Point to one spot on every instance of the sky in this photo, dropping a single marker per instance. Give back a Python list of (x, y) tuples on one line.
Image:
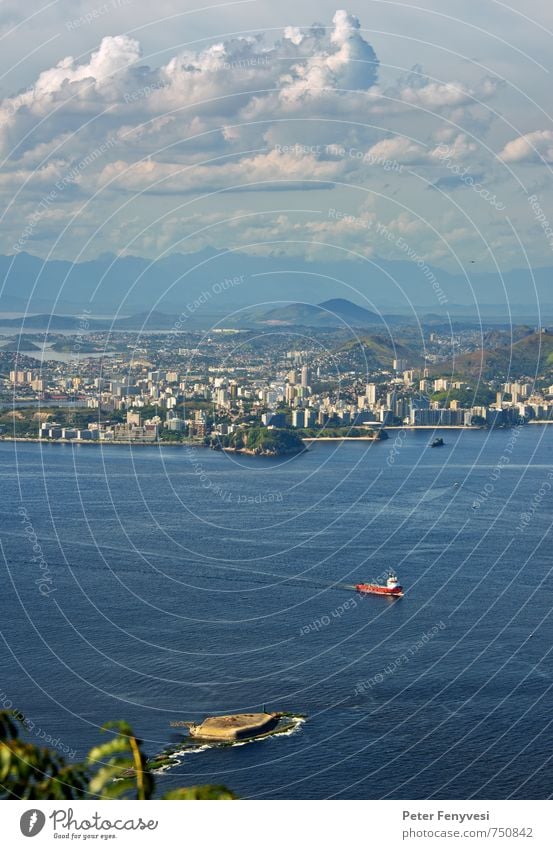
[(383, 129)]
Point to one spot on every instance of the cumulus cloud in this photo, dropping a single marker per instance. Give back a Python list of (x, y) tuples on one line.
[(268, 171), (530, 147), (436, 95), (455, 147), (234, 81), (243, 114), (349, 62), (115, 55), (66, 96), (398, 149)]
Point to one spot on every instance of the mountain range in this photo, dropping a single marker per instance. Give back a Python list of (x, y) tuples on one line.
[(215, 285)]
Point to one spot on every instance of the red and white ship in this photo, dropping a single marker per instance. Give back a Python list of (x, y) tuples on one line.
[(392, 587)]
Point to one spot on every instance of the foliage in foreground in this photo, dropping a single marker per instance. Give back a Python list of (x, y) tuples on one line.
[(116, 769)]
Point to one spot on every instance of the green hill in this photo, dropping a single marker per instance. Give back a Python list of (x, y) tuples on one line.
[(21, 343), (378, 351), (528, 357)]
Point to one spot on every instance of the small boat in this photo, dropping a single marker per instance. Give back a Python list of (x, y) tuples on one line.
[(392, 588), (437, 443)]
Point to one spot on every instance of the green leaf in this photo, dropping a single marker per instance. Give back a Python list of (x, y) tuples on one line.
[(205, 791), (117, 746), (114, 769)]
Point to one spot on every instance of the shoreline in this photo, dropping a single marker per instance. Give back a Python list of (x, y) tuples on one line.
[(436, 427), (249, 453), (199, 444), (465, 427), (102, 442), (343, 439)]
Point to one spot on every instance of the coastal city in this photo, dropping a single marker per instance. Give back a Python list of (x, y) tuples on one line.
[(206, 386), (276, 422)]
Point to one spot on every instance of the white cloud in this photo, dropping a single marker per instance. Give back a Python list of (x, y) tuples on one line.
[(234, 81), (212, 118), (295, 35), (398, 149), (265, 171), (454, 146), (348, 63), (437, 95), (530, 147)]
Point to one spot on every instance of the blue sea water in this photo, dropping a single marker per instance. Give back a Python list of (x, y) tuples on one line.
[(179, 582)]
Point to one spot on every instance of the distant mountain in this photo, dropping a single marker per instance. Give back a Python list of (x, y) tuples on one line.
[(336, 312), (215, 284), (350, 312), (43, 321), (20, 343), (530, 356), (154, 320), (141, 321)]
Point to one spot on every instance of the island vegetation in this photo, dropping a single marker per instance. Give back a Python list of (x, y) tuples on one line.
[(261, 441), (20, 343), (332, 432)]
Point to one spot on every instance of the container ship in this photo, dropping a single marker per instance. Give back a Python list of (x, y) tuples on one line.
[(392, 588)]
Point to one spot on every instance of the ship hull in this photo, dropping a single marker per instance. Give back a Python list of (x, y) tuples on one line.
[(375, 589)]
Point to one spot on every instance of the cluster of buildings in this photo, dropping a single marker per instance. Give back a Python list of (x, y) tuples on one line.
[(221, 403), (32, 379), (131, 430), (160, 392)]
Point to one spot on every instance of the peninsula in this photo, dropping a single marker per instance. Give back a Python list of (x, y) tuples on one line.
[(261, 442)]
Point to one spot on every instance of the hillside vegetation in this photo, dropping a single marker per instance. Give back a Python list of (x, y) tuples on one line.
[(271, 442), (379, 351), (530, 356)]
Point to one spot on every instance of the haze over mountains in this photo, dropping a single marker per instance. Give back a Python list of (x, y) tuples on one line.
[(214, 284), (331, 313)]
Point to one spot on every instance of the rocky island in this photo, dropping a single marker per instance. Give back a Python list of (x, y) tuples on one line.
[(261, 441), (236, 726), (223, 731)]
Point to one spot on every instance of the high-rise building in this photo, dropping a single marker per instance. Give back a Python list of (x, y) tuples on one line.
[(291, 392), (399, 364), (221, 397), (274, 419), (370, 394), (401, 408), (20, 376)]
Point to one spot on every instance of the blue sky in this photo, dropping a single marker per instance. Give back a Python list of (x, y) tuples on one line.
[(290, 128)]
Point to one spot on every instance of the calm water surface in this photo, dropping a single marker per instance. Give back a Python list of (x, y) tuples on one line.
[(186, 582)]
